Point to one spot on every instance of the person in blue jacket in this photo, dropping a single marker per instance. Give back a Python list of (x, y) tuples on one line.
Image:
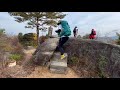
[(64, 32)]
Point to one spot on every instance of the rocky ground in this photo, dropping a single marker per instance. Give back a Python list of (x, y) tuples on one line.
[(43, 72), (26, 69), (87, 58)]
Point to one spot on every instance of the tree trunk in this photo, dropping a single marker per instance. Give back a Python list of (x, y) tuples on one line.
[(37, 35), (37, 30)]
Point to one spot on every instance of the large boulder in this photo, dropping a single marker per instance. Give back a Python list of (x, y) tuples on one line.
[(93, 57), (45, 51)]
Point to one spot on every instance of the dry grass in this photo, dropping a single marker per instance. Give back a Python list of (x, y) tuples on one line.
[(42, 39), (9, 45)]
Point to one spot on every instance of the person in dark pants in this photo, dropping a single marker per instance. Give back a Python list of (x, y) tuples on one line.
[(63, 32), (61, 43), (75, 31)]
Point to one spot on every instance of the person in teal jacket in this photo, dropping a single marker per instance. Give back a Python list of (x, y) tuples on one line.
[(64, 32)]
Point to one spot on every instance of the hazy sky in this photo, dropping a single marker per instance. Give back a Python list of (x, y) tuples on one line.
[(102, 22)]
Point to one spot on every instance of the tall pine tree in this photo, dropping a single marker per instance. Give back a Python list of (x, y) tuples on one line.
[(37, 19)]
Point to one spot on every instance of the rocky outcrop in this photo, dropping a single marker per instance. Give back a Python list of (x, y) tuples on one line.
[(45, 51), (94, 56), (90, 58)]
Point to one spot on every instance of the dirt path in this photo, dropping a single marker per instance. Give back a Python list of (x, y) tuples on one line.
[(28, 70), (43, 72)]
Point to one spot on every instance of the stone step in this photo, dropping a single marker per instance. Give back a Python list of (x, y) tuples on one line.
[(58, 71), (57, 65)]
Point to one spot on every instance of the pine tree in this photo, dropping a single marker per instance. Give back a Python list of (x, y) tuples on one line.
[(38, 19)]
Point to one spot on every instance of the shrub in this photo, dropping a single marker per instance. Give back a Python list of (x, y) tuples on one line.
[(29, 39), (86, 36), (79, 37), (29, 43), (20, 37), (15, 57), (73, 60)]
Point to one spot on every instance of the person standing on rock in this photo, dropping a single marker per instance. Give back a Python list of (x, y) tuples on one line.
[(75, 31), (64, 32), (92, 35)]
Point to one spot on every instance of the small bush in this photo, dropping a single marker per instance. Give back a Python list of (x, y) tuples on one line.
[(15, 57), (79, 37), (20, 37), (86, 36), (73, 60), (29, 43), (29, 39)]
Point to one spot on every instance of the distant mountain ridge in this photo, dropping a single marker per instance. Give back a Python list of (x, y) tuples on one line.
[(114, 37), (107, 39)]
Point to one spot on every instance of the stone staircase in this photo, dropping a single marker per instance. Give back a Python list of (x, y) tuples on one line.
[(57, 65), (47, 54)]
